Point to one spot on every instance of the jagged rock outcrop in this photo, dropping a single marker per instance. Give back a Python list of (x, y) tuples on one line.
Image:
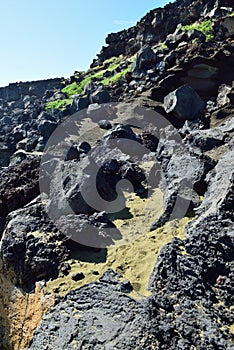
[(105, 316), (157, 24), (32, 249), (70, 184), (184, 103), (192, 280), (19, 186), (183, 173), (100, 182)]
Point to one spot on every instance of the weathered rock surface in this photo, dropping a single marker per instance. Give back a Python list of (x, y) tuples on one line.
[(184, 293), (91, 185), (193, 280), (206, 139), (100, 96), (146, 58), (156, 25), (15, 91), (31, 247), (89, 230), (100, 315), (19, 185), (218, 201), (183, 174), (185, 103), (189, 81), (228, 26)]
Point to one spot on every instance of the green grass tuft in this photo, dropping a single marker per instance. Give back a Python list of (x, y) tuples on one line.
[(78, 88), (113, 60), (71, 89), (116, 77), (58, 104), (74, 88), (163, 46), (206, 27)]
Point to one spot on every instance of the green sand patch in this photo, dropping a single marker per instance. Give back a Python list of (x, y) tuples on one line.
[(232, 328), (135, 258)]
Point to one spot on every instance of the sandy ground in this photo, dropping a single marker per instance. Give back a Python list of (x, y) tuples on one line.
[(134, 257)]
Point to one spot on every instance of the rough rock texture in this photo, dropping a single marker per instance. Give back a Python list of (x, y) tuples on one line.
[(99, 191), (193, 280), (184, 102), (99, 315), (183, 172), (19, 185), (156, 25), (146, 58), (31, 247), (89, 230), (20, 313), (15, 91), (70, 185)]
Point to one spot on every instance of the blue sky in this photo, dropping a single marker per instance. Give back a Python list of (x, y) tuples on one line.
[(52, 38)]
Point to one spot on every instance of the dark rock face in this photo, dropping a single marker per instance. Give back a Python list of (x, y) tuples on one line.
[(108, 318), (46, 128), (206, 139), (73, 189), (183, 173), (190, 82), (228, 26), (79, 103), (19, 185), (120, 131), (202, 67), (156, 26), (184, 102), (173, 40), (105, 124), (146, 58), (218, 200), (198, 273), (100, 96), (89, 230), (7, 150), (32, 248)]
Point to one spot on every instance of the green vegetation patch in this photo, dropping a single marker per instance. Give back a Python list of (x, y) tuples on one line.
[(71, 89), (163, 46), (113, 60), (58, 104), (74, 88), (206, 27), (114, 79), (78, 88)]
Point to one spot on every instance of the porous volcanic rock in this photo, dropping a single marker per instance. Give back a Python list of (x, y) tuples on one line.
[(183, 173), (19, 185), (32, 249), (184, 102), (85, 195), (100, 315), (192, 281)]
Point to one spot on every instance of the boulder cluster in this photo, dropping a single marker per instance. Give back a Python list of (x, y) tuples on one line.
[(61, 188)]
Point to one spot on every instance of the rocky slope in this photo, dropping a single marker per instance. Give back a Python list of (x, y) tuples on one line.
[(117, 192)]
